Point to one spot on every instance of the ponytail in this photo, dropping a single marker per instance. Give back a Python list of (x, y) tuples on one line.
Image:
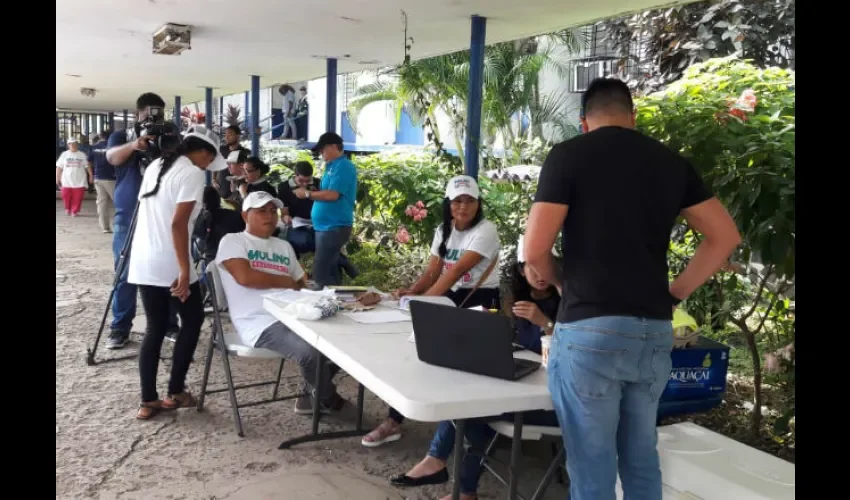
[(448, 224), (189, 145), (446, 227)]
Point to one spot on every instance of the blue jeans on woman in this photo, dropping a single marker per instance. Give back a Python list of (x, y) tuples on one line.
[(606, 375), (478, 435)]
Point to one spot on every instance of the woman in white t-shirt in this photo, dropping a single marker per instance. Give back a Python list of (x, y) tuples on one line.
[(169, 202), (73, 174), (464, 257)]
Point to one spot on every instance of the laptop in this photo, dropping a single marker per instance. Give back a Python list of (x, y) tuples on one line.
[(471, 341)]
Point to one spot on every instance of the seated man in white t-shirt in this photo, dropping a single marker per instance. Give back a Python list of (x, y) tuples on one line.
[(252, 263)]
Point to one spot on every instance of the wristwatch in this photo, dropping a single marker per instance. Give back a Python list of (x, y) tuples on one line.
[(550, 327)]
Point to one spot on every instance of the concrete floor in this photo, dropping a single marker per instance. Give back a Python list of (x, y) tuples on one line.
[(103, 452)]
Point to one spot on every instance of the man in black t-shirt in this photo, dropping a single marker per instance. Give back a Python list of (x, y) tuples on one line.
[(616, 194), (232, 135)]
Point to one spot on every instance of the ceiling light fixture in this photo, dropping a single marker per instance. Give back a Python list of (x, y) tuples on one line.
[(172, 39)]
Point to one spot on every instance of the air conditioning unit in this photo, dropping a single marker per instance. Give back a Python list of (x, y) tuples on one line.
[(585, 72), (172, 39)]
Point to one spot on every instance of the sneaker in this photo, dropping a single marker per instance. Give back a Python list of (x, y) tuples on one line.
[(304, 405), (117, 339), (67, 212), (171, 334)]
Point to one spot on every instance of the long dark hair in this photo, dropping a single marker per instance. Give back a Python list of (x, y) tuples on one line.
[(521, 288), (447, 223), (189, 145)]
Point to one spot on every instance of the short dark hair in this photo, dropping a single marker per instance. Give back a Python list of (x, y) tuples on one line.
[(606, 93), (304, 168), (235, 129), (303, 89), (149, 99)]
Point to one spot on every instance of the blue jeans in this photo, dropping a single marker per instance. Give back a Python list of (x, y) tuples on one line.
[(606, 375), (326, 259), (302, 239), (478, 435), (124, 301)]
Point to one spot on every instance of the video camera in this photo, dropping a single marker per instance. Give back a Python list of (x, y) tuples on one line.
[(164, 135)]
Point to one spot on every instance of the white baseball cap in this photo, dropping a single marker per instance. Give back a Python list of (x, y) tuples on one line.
[(201, 132), (72, 140), (233, 157), (460, 185), (259, 199)]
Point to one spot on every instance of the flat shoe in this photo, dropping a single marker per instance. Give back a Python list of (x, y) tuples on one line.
[(405, 481)]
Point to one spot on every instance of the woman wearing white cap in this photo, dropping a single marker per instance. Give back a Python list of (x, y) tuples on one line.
[(169, 202), (464, 254)]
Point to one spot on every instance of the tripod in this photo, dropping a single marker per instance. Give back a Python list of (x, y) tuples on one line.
[(123, 259)]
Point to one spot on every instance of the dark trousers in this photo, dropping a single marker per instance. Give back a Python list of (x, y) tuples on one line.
[(326, 262), (157, 302)]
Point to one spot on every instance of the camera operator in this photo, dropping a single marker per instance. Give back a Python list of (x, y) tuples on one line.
[(160, 263), (126, 152)]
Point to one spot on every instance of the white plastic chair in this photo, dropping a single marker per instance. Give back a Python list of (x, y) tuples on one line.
[(529, 433), (231, 345)]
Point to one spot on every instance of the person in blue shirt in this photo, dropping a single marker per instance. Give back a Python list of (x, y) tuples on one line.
[(104, 182), (124, 151), (333, 209)]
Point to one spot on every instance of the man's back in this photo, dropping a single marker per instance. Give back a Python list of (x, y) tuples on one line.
[(624, 191), (102, 169)]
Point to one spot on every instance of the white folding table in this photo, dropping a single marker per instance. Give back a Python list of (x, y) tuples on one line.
[(381, 358)]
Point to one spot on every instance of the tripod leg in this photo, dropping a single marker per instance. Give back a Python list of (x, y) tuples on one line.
[(123, 259)]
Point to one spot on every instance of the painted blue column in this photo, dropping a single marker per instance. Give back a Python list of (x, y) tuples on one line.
[(84, 127), (255, 115), (125, 119), (110, 121), (475, 94), (330, 108), (208, 112), (221, 114), (245, 112), (178, 109)]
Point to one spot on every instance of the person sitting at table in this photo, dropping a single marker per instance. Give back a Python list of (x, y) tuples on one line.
[(252, 263), (464, 254), (255, 178), (535, 308)]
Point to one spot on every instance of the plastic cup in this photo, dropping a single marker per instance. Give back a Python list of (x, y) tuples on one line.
[(545, 342)]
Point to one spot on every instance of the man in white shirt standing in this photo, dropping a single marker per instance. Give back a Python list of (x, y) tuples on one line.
[(252, 263), (73, 175)]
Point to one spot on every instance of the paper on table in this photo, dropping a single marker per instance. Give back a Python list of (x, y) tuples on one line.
[(378, 316), (288, 296), (404, 302)]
